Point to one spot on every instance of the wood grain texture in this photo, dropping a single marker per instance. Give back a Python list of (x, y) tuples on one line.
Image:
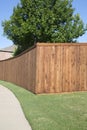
[(20, 70), (62, 67), (48, 68)]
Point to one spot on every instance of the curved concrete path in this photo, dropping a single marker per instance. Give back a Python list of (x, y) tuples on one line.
[(11, 115)]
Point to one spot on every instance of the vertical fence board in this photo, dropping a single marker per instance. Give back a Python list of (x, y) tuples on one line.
[(77, 68), (57, 69), (40, 78)]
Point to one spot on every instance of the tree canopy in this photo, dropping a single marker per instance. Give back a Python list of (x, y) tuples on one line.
[(43, 21)]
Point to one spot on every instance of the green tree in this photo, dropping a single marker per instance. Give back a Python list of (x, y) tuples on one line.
[(43, 21)]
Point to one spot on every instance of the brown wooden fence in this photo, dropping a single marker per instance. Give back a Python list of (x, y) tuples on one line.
[(20, 70), (49, 68)]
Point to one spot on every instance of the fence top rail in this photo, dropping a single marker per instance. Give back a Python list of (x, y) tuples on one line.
[(61, 44), (46, 44), (24, 52)]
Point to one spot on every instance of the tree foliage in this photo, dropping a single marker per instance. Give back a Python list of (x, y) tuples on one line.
[(43, 21)]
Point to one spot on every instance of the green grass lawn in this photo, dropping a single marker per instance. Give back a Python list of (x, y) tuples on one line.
[(54, 111)]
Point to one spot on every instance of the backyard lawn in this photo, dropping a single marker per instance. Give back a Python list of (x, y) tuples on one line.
[(52, 111)]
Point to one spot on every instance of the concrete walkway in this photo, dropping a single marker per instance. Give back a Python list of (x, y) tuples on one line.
[(11, 115)]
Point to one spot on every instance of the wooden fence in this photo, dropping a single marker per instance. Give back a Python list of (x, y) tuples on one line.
[(49, 68), (20, 70)]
